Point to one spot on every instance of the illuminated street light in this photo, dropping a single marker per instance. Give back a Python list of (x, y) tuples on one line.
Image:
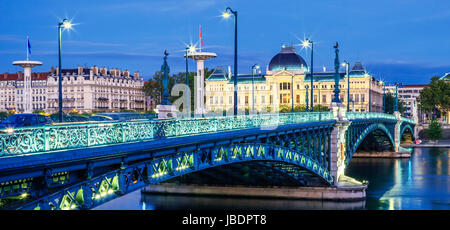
[(309, 44), (188, 106), (67, 26), (225, 15), (254, 67)]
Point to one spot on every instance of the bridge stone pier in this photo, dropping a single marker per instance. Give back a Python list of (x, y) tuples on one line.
[(81, 166), (338, 141), (340, 150)]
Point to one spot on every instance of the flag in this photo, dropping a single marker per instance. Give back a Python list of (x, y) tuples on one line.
[(201, 38), (28, 46)]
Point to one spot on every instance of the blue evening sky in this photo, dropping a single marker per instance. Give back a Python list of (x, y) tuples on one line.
[(396, 40)]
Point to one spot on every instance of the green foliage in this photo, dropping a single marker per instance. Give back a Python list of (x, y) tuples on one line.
[(299, 108), (285, 108), (389, 103), (435, 130), (38, 112), (435, 96), (153, 87), (5, 114), (322, 108)]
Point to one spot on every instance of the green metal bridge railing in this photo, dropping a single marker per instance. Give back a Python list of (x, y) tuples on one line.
[(28, 140)]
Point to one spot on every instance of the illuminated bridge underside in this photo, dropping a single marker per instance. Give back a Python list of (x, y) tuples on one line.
[(297, 169)]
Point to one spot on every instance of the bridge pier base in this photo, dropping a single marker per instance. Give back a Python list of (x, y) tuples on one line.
[(397, 136), (338, 147), (347, 193)]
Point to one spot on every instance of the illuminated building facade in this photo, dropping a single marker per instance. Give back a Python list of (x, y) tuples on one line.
[(84, 90), (287, 78)]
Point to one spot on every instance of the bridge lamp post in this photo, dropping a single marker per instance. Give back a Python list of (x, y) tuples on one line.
[(254, 67), (306, 44), (384, 96), (346, 65), (306, 98), (292, 93), (67, 26), (227, 14), (370, 87), (396, 98)]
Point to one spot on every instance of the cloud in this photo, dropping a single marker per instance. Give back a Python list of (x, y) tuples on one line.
[(11, 38), (406, 72), (184, 6)]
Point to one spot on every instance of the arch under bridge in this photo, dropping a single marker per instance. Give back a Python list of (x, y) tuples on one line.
[(81, 166)]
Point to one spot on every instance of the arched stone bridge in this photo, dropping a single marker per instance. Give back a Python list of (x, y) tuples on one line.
[(81, 166)]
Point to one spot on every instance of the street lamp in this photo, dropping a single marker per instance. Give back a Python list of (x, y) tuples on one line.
[(318, 100), (306, 98), (346, 65), (254, 67), (396, 98), (384, 96), (67, 26), (227, 14), (305, 44), (189, 49)]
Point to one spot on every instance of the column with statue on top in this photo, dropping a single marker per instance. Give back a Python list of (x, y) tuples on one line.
[(166, 109)]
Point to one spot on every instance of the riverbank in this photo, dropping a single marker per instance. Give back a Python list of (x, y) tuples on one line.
[(381, 155), (428, 144), (342, 193)]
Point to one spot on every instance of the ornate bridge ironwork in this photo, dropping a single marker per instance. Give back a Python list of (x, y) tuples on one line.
[(83, 165)]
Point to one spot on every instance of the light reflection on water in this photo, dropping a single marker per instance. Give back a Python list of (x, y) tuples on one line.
[(421, 182)]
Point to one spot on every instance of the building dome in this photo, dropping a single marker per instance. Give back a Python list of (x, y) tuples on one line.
[(287, 59)]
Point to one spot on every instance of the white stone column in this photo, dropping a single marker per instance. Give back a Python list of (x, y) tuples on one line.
[(27, 65), (199, 92), (27, 89), (397, 131), (337, 142)]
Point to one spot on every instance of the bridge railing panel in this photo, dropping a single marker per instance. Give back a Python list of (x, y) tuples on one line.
[(358, 115), (57, 137)]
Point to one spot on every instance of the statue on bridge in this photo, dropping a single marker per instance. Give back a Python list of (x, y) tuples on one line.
[(165, 80), (336, 75), (166, 109)]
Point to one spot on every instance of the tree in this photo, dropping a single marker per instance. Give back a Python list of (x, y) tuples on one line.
[(434, 130), (435, 96), (322, 108), (389, 103)]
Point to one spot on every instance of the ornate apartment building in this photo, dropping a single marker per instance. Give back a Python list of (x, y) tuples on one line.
[(288, 78), (84, 90), (12, 95)]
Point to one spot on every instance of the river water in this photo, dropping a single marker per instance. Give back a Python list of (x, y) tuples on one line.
[(421, 182)]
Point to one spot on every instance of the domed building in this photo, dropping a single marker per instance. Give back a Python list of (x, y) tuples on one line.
[(287, 78), (287, 59)]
